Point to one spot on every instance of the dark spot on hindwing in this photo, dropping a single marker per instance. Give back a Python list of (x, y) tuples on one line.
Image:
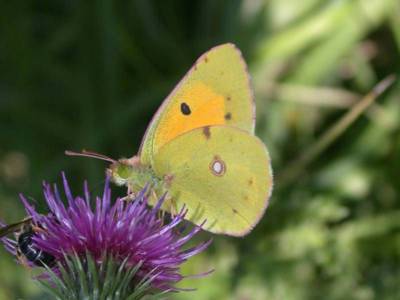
[(206, 59), (207, 132), (185, 109), (228, 116), (234, 211), (228, 98)]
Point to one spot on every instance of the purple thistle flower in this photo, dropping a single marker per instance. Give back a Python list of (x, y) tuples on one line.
[(130, 232)]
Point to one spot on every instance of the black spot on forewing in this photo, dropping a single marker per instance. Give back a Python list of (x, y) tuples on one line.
[(207, 132), (228, 116), (185, 109)]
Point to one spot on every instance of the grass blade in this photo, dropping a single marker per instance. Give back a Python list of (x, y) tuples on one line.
[(294, 170)]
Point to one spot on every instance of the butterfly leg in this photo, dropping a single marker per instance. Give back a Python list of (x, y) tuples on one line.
[(129, 197), (130, 194), (172, 207)]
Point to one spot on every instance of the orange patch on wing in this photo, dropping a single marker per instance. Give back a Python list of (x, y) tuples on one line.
[(206, 108)]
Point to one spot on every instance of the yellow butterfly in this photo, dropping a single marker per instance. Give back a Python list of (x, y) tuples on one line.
[(200, 148)]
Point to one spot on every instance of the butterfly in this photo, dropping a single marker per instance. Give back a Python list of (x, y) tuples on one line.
[(200, 149)]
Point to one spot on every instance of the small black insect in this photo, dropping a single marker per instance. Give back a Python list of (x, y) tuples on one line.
[(33, 254), (25, 247)]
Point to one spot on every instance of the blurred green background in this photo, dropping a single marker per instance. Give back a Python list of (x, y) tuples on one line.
[(90, 74)]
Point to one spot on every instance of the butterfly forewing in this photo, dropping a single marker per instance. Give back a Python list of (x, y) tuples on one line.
[(216, 91)]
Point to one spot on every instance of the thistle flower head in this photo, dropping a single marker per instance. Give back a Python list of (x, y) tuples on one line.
[(131, 233)]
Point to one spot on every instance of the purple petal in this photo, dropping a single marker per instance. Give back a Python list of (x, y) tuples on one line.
[(130, 231)]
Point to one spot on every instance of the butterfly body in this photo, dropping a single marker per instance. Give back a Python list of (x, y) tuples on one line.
[(137, 176)]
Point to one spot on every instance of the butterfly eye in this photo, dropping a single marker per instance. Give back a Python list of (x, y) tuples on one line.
[(185, 109)]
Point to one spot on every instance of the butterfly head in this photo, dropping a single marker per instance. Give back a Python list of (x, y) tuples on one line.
[(121, 171)]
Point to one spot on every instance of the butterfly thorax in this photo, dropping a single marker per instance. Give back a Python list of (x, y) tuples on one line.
[(136, 176)]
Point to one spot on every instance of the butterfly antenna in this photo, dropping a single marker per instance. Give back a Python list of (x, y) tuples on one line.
[(91, 154)]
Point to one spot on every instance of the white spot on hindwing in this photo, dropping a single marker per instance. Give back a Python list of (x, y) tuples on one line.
[(217, 166)]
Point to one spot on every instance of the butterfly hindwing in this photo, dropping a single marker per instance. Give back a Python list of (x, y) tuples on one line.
[(221, 174)]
